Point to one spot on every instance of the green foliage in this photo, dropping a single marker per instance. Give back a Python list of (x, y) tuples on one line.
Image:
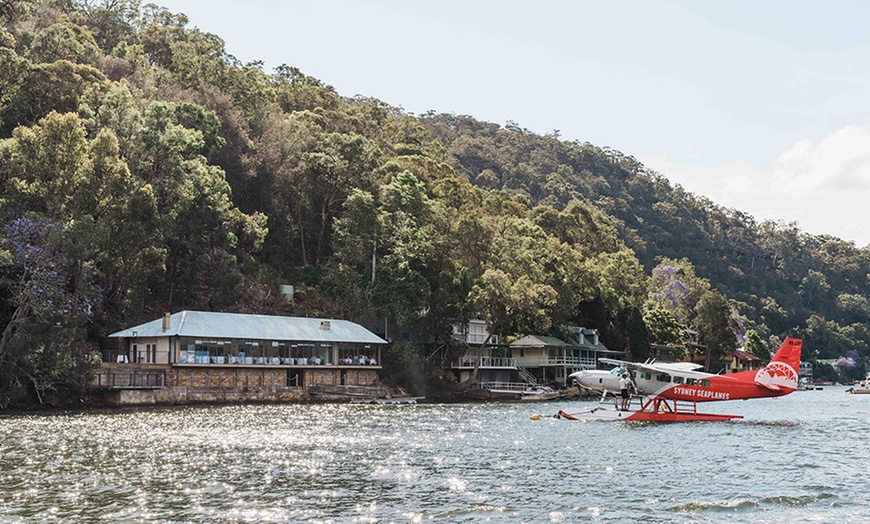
[(755, 346), (182, 178), (52, 296), (854, 308), (715, 326), (404, 365), (514, 303), (639, 337), (399, 293), (63, 41), (823, 370), (664, 328)]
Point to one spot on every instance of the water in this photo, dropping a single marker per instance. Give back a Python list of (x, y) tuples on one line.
[(797, 458)]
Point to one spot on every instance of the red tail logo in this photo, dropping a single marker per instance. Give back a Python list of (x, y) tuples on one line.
[(783, 368)]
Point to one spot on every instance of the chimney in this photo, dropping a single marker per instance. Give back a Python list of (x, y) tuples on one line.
[(287, 291), (325, 324), (166, 321)]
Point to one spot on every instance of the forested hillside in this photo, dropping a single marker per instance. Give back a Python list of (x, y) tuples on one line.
[(143, 169)]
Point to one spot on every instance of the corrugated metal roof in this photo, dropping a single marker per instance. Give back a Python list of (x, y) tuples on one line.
[(257, 327), (538, 341), (742, 355)]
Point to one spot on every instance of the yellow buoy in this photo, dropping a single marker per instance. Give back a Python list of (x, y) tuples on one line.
[(535, 417)]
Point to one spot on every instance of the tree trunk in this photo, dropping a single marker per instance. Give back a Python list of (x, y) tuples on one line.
[(473, 379), (302, 236), (20, 315)]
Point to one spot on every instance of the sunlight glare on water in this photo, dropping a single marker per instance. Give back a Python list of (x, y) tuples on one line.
[(791, 459)]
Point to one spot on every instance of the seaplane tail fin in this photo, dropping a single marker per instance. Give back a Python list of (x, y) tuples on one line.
[(789, 353), (781, 374)]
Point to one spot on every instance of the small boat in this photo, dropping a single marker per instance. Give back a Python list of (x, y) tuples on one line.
[(862, 387), (538, 393), (515, 391), (805, 385)]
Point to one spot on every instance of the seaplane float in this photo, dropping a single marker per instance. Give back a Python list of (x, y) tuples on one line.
[(671, 392)]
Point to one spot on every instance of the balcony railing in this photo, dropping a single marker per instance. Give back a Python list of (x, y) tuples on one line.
[(576, 362), (519, 387), (512, 363), (487, 362)]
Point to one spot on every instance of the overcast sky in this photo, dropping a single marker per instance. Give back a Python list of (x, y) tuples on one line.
[(763, 106)]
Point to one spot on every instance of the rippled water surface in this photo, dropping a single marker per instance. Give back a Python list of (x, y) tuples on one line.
[(799, 458)]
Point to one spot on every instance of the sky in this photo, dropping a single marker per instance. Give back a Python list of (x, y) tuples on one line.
[(759, 106)]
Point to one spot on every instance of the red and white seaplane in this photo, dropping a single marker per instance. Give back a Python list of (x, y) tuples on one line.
[(670, 392)]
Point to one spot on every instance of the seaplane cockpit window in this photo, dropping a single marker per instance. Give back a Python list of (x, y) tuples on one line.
[(646, 375), (691, 381), (617, 371), (663, 377), (705, 383), (678, 380)]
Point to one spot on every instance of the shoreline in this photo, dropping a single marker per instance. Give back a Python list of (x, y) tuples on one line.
[(97, 401)]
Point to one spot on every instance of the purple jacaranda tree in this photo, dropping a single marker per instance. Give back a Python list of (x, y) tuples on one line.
[(42, 347), (850, 366), (671, 293)]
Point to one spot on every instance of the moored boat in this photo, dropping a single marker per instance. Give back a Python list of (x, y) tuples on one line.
[(539, 393), (861, 387)]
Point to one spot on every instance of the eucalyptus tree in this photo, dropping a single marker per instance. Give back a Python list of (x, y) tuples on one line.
[(755, 346), (336, 163), (201, 229), (400, 289), (715, 326), (515, 291), (664, 329)]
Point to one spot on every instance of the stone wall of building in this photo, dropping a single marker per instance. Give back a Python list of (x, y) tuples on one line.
[(227, 377), (344, 377), (191, 385), (203, 395)]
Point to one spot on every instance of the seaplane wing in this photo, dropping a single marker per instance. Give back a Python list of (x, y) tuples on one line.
[(653, 366), (681, 366)]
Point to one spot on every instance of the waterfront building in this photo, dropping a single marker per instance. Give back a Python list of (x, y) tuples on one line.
[(530, 361), (739, 360), (549, 360), (806, 372), (231, 353)]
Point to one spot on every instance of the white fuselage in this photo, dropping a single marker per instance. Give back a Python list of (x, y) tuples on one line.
[(597, 380), (645, 383)]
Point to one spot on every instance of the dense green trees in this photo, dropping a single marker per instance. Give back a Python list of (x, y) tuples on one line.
[(152, 171)]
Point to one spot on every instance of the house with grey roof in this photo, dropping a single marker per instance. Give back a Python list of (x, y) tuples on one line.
[(532, 360), (547, 359), (199, 349)]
